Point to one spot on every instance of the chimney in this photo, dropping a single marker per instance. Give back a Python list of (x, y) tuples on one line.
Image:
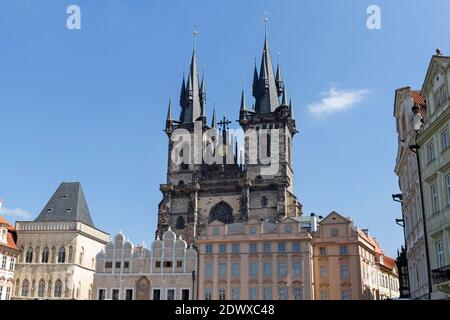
[(366, 231)]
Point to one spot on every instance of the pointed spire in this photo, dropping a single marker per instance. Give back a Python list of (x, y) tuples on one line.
[(183, 91), (243, 105), (190, 96), (169, 110), (291, 110), (279, 78), (203, 94), (213, 121), (284, 100), (255, 81)]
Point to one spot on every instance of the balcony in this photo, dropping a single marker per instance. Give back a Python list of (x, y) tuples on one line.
[(441, 278)]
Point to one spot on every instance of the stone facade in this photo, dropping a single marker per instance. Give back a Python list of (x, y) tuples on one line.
[(128, 272), (57, 259), (8, 257), (347, 263), (256, 260), (409, 109), (434, 158)]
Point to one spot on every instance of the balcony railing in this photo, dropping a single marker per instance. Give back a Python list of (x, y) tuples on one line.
[(441, 275)]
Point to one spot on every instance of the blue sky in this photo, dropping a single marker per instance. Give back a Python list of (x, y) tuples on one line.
[(89, 105)]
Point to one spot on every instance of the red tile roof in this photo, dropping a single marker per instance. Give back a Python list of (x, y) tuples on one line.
[(11, 236), (388, 262), (420, 101)]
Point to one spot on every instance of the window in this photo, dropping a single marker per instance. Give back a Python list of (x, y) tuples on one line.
[(322, 251), (8, 293), (129, 294), (156, 294), (235, 248), (58, 289), (12, 264), (267, 269), (434, 199), (253, 269), (44, 258), (345, 295), (288, 228), (282, 293), (447, 178), (29, 256), (215, 231), (334, 232), (180, 223), (440, 254), (208, 270), (323, 272), (208, 293), (253, 294), (430, 152), (209, 249), (267, 247), (343, 250), (101, 294), (235, 293), (108, 265), (41, 288), (167, 264), (4, 260), (157, 264), (223, 248), (297, 268), (296, 246), (440, 97), (222, 269), (179, 264), (62, 255), (170, 294), (282, 270), (235, 269), (324, 295), (184, 294), (444, 139), (252, 230), (298, 294), (345, 272), (264, 201), (126, 264), (281, 246), (222, 294), (118, 264), (253, 247), (267, 293)]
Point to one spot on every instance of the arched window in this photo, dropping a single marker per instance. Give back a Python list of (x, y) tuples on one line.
[(58, 289), (264, 201), (71, 254), (49, 288), (80, 260), (222, 212), (29, 255), (62, 255), (41, 288), (45, 255), (25, 288), (268, 143), (180, 222)]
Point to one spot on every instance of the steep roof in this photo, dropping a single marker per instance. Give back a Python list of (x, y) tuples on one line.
[(11, 235), (67, 204)]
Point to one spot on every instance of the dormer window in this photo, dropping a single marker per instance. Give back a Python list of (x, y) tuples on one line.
[(68, 210), (50, 210)]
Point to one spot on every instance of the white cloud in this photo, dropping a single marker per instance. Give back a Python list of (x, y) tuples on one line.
[(16, 213), (336, 100)]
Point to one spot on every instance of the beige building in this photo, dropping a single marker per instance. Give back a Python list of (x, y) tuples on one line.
[(346, 262), (255, 260), (128, 272), (58, 249), (434, 155), (8, 256), (409, 110)]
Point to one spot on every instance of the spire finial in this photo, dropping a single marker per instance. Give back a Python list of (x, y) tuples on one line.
[(266, 22), (213, 121), (194, 35), (169, 109)]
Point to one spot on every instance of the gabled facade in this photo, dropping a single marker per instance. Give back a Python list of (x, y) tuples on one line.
[(58, 249), (409, 110), (435, 167)]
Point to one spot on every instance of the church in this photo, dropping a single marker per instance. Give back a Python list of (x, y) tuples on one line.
[(241, 187)]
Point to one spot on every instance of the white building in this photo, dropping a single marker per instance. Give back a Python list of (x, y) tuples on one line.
[(128, 272), (407, 123)]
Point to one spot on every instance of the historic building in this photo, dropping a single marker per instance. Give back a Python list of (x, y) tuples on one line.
[(409, 110), (128, 272), (240, 185), (58, 249), (256, 260), (433, 147), (8, 256), (349, 264)]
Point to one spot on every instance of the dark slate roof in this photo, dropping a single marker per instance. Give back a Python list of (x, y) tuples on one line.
[(67, 204)]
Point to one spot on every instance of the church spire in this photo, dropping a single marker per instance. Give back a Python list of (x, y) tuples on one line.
[(243, 105), (255, 85), (203, 95), (279, 79), (213, 121), (169, 110)]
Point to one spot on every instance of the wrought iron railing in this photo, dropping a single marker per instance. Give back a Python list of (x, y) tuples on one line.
[(441, 275)]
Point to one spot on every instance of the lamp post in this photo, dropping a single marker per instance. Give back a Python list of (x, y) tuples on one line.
[(415, 148)]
